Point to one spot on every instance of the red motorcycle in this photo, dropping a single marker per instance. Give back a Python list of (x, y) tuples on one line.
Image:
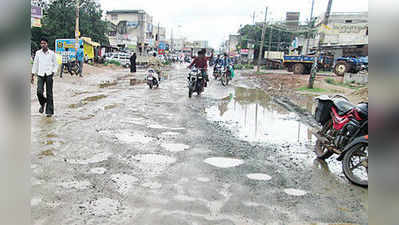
[(344, 128)]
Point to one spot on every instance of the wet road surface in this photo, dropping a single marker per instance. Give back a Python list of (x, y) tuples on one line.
[(121, 154)]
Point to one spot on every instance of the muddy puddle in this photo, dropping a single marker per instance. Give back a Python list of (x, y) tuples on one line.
[(253, 116)]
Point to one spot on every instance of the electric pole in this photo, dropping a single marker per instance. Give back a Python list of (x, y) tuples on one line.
[(311, 26), (270, 41), (321, 39), (77, 26), (262, 40)]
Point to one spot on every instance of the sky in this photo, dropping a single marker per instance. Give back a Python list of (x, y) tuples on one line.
[(214, 20)]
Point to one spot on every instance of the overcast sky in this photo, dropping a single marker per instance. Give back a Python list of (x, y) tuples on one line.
[(214, 20)]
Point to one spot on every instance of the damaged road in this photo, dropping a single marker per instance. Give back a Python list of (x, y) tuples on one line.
[(125, 154)]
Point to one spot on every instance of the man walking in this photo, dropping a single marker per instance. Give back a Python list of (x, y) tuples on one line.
[(80, 59), (45, 66), (133, 63)]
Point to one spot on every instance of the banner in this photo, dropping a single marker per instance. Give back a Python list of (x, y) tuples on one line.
[(35, 22)]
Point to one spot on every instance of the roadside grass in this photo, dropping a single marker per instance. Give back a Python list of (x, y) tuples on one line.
[(316, 90), (351, 85)]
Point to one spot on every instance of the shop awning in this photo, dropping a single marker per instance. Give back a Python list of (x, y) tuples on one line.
[(90, 42)]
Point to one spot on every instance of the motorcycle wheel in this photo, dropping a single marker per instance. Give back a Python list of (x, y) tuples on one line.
[(223, 79), (321, 151), (355, 164), (190, 91)]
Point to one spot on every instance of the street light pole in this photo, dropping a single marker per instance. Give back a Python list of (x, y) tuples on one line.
[(77, 26), (261, 43), (311, 26), (321, 39)]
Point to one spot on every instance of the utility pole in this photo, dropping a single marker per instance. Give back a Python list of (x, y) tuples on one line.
[(77, 26), (310, 27), (171, 40), (270, 41), (321, 39), (262, 40)]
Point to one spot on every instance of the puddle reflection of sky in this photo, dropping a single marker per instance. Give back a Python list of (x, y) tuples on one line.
[(253, 116)]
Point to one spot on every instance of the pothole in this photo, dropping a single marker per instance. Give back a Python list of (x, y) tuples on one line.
[(98, 170), (155, 159), (295, 192), (222, 162), (259, 176), (175, 147)]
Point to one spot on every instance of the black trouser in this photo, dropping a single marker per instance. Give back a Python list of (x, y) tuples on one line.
[(132, 67), (48, 80), (68, 66)]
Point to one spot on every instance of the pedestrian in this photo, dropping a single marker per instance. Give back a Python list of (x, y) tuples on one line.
[(133, 63), (66, 61), (80, 59), (44, 67)]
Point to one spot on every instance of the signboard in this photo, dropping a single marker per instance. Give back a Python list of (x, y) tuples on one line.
[(62, 44), (35, 22), (36, 12), (161, 51)]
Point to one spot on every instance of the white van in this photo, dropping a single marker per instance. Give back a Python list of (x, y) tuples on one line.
[(121, 57)]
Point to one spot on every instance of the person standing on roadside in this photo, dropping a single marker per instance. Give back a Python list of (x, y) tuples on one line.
[(66, 55), (44, 67), (80, 59), (133, 63)]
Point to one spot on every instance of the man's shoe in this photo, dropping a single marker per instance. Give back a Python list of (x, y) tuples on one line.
[(49, 115), (41, 110)]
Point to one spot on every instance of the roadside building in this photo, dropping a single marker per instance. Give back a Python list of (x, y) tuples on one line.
[(132, 29)]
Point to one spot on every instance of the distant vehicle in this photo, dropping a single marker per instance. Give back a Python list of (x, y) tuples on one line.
[(303, 64), (122, 58), (350, 65)]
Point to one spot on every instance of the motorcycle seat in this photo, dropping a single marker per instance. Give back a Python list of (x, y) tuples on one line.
[(343, 106)]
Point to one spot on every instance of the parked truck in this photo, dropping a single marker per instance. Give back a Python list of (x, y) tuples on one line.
[(303, 64)]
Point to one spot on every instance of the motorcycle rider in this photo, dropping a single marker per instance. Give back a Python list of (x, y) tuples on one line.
[(218, 60), (201, 62), (226, 61), (155, 64)]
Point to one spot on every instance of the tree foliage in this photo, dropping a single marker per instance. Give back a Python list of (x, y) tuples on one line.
[(59, 22)]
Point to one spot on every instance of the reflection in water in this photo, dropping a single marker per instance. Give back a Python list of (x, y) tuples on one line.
[(255, 117)]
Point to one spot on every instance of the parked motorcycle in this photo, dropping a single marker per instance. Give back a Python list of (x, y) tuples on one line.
[(152, 81), (196, 82), (343, 125)]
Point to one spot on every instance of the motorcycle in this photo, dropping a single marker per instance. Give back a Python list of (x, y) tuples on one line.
[(152, 81), (217, 71), (196, 82), (226, 75), (343, 126)]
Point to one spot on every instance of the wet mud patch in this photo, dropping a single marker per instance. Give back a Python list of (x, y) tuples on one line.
[(46, 153), (107, 84), (110, 106), (86, 101), (87, 117)]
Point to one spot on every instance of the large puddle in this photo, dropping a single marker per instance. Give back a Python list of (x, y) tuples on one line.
[(253, 116)]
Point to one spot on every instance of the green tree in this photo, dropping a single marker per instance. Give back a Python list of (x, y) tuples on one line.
[(59, 22)]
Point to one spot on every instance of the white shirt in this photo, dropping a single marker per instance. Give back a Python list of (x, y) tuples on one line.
[(45, 63)]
